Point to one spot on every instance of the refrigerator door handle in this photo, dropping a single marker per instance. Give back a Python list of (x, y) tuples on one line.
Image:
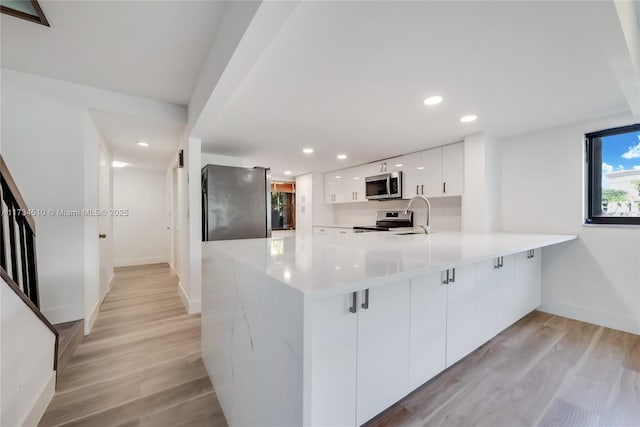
[(267, 180)]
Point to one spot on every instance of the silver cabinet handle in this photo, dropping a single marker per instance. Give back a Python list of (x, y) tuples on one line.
[(102, 236), (453, 275), (354, 303), (343, 232), (365, 304), (496, 263), (531, 254), (444, 187), (445, 277), (500, 262), (418, 189), (422, 189)]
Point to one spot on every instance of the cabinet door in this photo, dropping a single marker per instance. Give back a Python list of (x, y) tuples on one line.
[(341, 186), (357, 183), (383, 349), (453, 169), (432, 172), (496, 290), (334, 337), (527, 283), (462, 317), (412, 175), (428, 329), (329, 184)]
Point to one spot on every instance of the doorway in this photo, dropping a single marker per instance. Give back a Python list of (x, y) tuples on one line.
[(283, 205)]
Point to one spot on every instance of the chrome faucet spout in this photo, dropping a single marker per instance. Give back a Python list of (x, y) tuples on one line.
[(427, 226)]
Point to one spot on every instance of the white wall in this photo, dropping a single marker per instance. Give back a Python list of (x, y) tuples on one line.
[(27, 378), (445, 213), (141, 237), (482, 184), (44, 150), (44, 142), (596, 278)]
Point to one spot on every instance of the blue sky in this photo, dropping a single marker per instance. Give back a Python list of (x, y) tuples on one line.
[(620, 152)]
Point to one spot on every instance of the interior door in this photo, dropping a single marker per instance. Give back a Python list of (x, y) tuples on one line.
[(105, 222)]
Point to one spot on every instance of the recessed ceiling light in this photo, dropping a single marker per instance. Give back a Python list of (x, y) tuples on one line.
[(356, 177), (342, 156), (469, 118), (117, 164), (308, 151), (399, 165), (287, 172), (420, 168), (433, 100), (338, 177), (143, 144)]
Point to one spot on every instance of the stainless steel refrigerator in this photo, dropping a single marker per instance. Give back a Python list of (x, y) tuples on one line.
[(236, 203)]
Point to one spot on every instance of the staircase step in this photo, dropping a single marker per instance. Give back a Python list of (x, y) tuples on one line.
[(70, 336)]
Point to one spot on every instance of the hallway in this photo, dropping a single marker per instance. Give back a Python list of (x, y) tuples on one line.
[(141, 365)]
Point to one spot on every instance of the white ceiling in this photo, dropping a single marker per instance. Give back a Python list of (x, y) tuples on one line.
[(153, 49), (351, 77), (122, 132)]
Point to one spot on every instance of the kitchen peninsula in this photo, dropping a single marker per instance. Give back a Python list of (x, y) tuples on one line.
[(323, 330)]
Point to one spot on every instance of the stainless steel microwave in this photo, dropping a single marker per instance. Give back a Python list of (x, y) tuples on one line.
[(385, 186)]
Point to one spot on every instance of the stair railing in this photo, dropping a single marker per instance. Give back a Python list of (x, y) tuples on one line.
[(18, 262)]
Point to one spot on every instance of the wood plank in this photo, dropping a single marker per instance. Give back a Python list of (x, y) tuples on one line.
[(563, 413), (142, 363), (204, 410), (140, 407), (94, 398)]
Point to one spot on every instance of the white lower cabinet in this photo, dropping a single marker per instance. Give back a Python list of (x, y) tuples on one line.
[(383, 348), (360, 359), (369, 349), (332, 231), (462, 314), (428, 330), (527, 292), (495, 281), (334, 331)]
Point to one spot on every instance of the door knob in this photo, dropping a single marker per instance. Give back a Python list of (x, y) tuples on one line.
[(102, 236)]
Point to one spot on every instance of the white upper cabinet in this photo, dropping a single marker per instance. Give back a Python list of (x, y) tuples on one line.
[(412, 174), (431, 185), (453, 169), (438, 172)]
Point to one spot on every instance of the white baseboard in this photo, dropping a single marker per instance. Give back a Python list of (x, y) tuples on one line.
[(140, 261), (192, 306), (110, 283), (589, 315), (41, 403), (91, 318)]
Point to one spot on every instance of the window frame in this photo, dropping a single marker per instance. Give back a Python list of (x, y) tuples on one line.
[(594, 176)]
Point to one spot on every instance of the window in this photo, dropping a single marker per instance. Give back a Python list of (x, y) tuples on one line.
[(24, 9), (613, 176)]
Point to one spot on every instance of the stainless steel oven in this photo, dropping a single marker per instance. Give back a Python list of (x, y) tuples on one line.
[(385, 186)]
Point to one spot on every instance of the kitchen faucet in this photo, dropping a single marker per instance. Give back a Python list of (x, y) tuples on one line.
[(427, 226)]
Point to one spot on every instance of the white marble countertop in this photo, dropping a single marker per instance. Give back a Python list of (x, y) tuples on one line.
[(325, 264)]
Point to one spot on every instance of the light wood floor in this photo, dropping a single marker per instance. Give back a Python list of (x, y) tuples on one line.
[(141, 365), (543, 371)]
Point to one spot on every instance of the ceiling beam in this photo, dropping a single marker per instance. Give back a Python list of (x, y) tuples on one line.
[(227, 66)]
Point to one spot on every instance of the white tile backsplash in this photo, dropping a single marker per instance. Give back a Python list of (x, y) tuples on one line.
[(446, 212)]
